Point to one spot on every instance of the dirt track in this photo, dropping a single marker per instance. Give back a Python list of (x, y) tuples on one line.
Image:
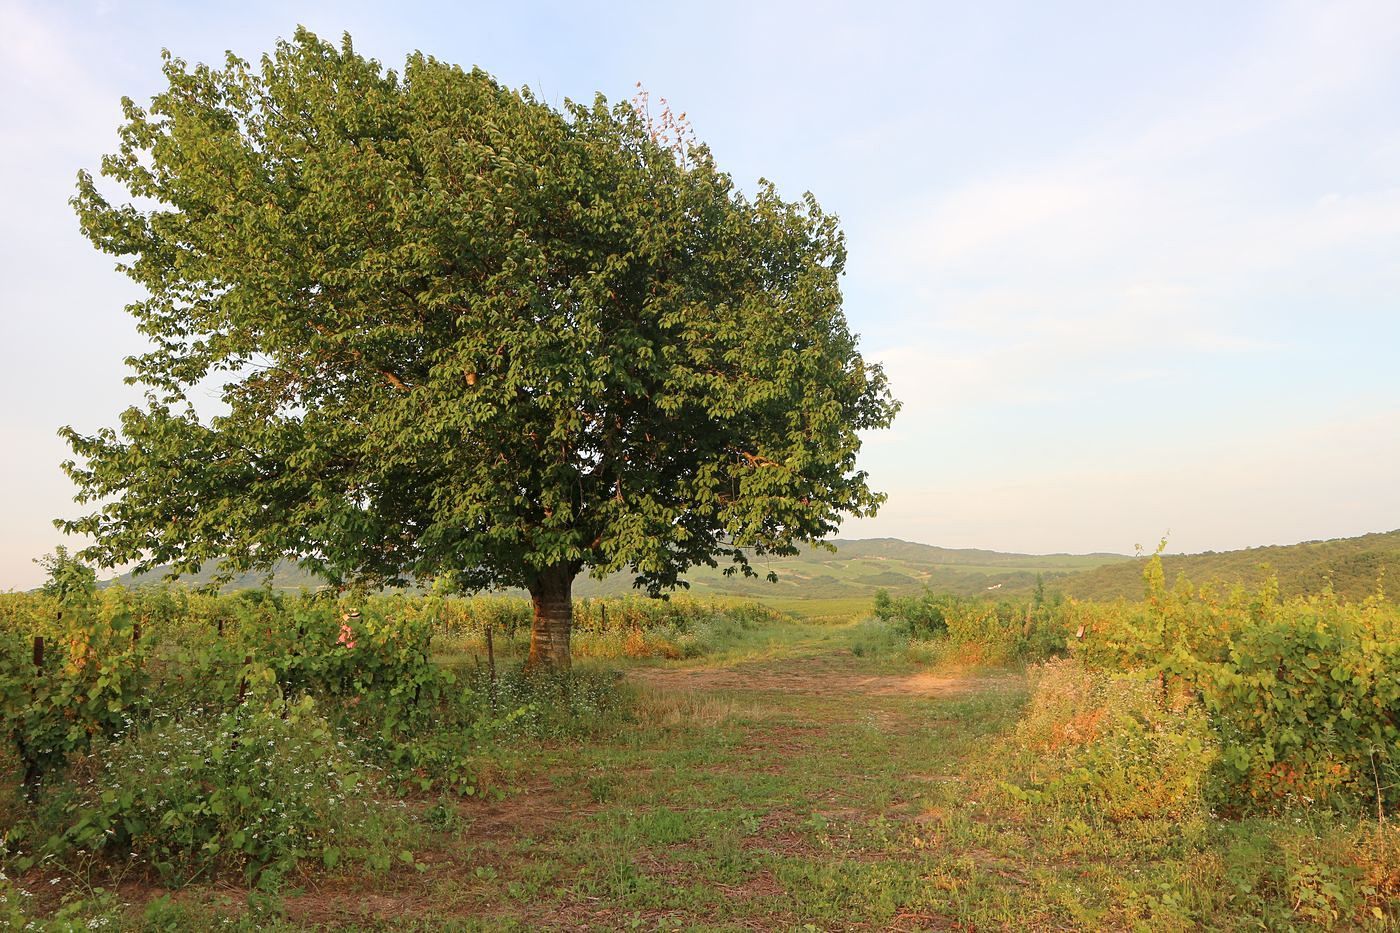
[(821, 675)]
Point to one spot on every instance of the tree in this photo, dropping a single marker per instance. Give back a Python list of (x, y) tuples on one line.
[(460, 332), (68, 577)]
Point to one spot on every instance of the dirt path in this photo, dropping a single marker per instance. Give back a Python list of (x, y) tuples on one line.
[(811, 787), (771, 793), (823, 675)]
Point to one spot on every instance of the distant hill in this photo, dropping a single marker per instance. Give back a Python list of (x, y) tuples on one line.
[(287, 576), (1352, 565), (857, 568)]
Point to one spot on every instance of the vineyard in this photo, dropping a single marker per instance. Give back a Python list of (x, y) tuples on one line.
[(196, 734), (1302, 695), (165, 740)]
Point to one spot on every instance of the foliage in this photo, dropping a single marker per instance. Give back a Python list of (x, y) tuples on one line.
[(1304, 693), (379, 654), (68, 577), (979, 631), (386, 669), (85, 685), (464, 335), (922, 616), (713, 806), (255, 789), (1309, 706), (1112, 744), (242, 731), (618, 614), (476, 614)]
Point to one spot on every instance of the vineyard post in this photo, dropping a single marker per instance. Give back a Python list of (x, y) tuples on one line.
[(1375, 773), (243, 680), (490, 654), (31, 766)]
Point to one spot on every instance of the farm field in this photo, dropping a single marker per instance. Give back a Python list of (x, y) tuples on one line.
[(733, 767)]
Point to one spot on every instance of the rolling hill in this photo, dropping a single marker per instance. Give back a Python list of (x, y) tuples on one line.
[(1353, 566), (856, 569), (859, 567)]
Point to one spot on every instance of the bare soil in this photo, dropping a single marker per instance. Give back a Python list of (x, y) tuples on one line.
[(822, 676)]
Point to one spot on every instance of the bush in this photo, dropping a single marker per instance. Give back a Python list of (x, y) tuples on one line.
[(118, 660), (89, 680), (1304, 694), (1113, 744), (1308, 707), (256, 790), (921, 616), (978, 631)]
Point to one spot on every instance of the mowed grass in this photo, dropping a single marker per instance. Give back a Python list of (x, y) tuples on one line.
[(800, 777)]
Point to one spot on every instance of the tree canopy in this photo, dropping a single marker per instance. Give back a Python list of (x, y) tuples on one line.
[(461, 332)]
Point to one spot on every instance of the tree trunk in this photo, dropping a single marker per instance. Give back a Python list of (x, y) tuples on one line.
[(552, 596)]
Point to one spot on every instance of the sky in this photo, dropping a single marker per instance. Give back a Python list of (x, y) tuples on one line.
[(1132, 268)]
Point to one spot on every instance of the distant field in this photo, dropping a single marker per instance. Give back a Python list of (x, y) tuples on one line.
[(838, 609)]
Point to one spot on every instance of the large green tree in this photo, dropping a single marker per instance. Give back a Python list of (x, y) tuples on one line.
[(460, 332)]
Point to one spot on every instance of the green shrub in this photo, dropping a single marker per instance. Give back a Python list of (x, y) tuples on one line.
[(1113, 744), (256, 790), (89, 680), (1304, 694), (921, 616), (1308, 706), (978, 631)]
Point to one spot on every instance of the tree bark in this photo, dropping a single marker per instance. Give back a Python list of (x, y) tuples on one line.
[(552, 596)]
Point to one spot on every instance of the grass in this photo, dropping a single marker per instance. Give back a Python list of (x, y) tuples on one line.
[(799, 776), (832, 609)]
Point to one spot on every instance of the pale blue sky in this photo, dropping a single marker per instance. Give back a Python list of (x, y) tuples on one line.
[(1133, 268)]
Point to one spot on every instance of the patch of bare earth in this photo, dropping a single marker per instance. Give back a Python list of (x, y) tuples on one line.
[(491, 825), (532, 813), (837, 673)]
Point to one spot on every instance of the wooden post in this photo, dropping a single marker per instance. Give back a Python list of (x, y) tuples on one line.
[(32, 774), (243, 681), (491, 654)]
